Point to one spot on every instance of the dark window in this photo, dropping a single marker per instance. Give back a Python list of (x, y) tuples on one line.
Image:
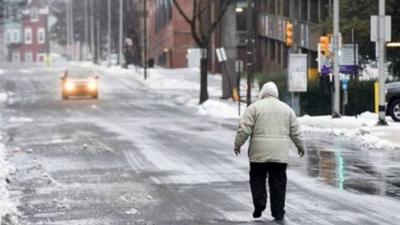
[(163, 13), (286, 8), (296, 9), (278, 7), (314, 11), (271, 6), (304, 9), (272, 49), (279, 56), (325, 10), (162, 59)]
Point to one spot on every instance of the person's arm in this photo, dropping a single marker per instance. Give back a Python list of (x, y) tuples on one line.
[(246, 126), (296, 134)]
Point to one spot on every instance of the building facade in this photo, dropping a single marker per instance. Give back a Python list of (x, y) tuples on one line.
[(26, 31), (169, 35), (305, 15)]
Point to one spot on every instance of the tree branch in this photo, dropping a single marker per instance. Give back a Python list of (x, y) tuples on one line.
[(219, 18), (180, 10)]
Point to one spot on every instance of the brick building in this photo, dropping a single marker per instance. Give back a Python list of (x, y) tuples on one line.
[(25, 30), (169, 34), (34, 23)]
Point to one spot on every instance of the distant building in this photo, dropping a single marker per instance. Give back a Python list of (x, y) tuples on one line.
[(25, 30), (34, 24)]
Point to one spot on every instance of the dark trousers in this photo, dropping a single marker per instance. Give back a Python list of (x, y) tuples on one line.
[(276, 173)]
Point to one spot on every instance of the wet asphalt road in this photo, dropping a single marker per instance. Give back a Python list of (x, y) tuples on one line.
[(135, 157)]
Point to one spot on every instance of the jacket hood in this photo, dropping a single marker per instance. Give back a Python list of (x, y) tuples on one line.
[(268, 90)]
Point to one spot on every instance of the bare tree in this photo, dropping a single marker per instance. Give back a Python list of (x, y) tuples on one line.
[(202, 27)]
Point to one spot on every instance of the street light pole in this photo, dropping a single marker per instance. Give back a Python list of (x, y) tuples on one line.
[(145, 37), (250, 49), (381, 62), (121, 27), (86, 29), (336, 66), (109, 32)]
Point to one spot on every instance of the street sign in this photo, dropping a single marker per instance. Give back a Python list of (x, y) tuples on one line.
[(239, 66), (221, 54), (346, 60), (297, 73), (375, 30)]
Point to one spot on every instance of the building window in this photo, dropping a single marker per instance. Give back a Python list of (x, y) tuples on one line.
[(41, 36), (28, 57), (8, 38), (304, 10), (28, 36), (163, 13), (15, 57), (34, 14), (272, 50), (314, 11), (15, 38), (286, 8), (271, 6)]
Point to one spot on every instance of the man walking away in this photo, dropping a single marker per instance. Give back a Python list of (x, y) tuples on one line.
[(271, 125)]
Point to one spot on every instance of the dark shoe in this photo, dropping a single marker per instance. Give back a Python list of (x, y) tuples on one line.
[(279, 220), (257, 213)]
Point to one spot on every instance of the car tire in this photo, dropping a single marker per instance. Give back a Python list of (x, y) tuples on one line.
[(64, 96), (95, 96), (394, 110)]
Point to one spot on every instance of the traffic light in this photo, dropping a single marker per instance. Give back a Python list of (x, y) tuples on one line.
[(289, 34), (324, 42)]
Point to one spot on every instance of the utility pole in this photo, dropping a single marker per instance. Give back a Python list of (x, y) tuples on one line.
[(109, 32), (145, 37), (92, 40), (121, 30), (336, 66), (71, 16), (381, 62), (250, 49), (86, 30), (67, 29)]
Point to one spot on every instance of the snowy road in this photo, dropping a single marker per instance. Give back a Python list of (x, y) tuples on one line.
[(134, 157)]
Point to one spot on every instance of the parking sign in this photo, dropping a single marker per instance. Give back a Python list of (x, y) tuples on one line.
[(297, 77)]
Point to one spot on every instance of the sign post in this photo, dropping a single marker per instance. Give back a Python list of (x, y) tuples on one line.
[(297, 78)]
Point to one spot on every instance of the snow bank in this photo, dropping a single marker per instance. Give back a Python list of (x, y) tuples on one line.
[(3, 97), (6, 206), (362, 129), (20, 120), (219, 109)]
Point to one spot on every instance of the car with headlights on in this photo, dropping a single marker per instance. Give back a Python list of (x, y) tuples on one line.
[(79, 82)]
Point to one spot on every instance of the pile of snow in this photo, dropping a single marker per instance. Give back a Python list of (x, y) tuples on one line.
[(3, 97), (362, 129), (219, 109), (7, 208), (20, 120), (157, 80)]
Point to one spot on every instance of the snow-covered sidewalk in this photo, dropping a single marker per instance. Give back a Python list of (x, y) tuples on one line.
[(183, 84)]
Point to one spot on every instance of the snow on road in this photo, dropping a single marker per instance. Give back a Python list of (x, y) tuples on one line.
[(185, 84), (7, 207)]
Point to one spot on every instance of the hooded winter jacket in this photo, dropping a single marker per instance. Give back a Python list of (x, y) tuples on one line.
[(272, 126)]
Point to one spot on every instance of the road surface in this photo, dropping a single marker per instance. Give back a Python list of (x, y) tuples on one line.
[(135, 157)]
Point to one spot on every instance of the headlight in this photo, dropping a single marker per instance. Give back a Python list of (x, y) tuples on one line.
[(69, 86), (92, 85)]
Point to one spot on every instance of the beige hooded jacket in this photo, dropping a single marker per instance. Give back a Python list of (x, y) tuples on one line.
[(271, 125)]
